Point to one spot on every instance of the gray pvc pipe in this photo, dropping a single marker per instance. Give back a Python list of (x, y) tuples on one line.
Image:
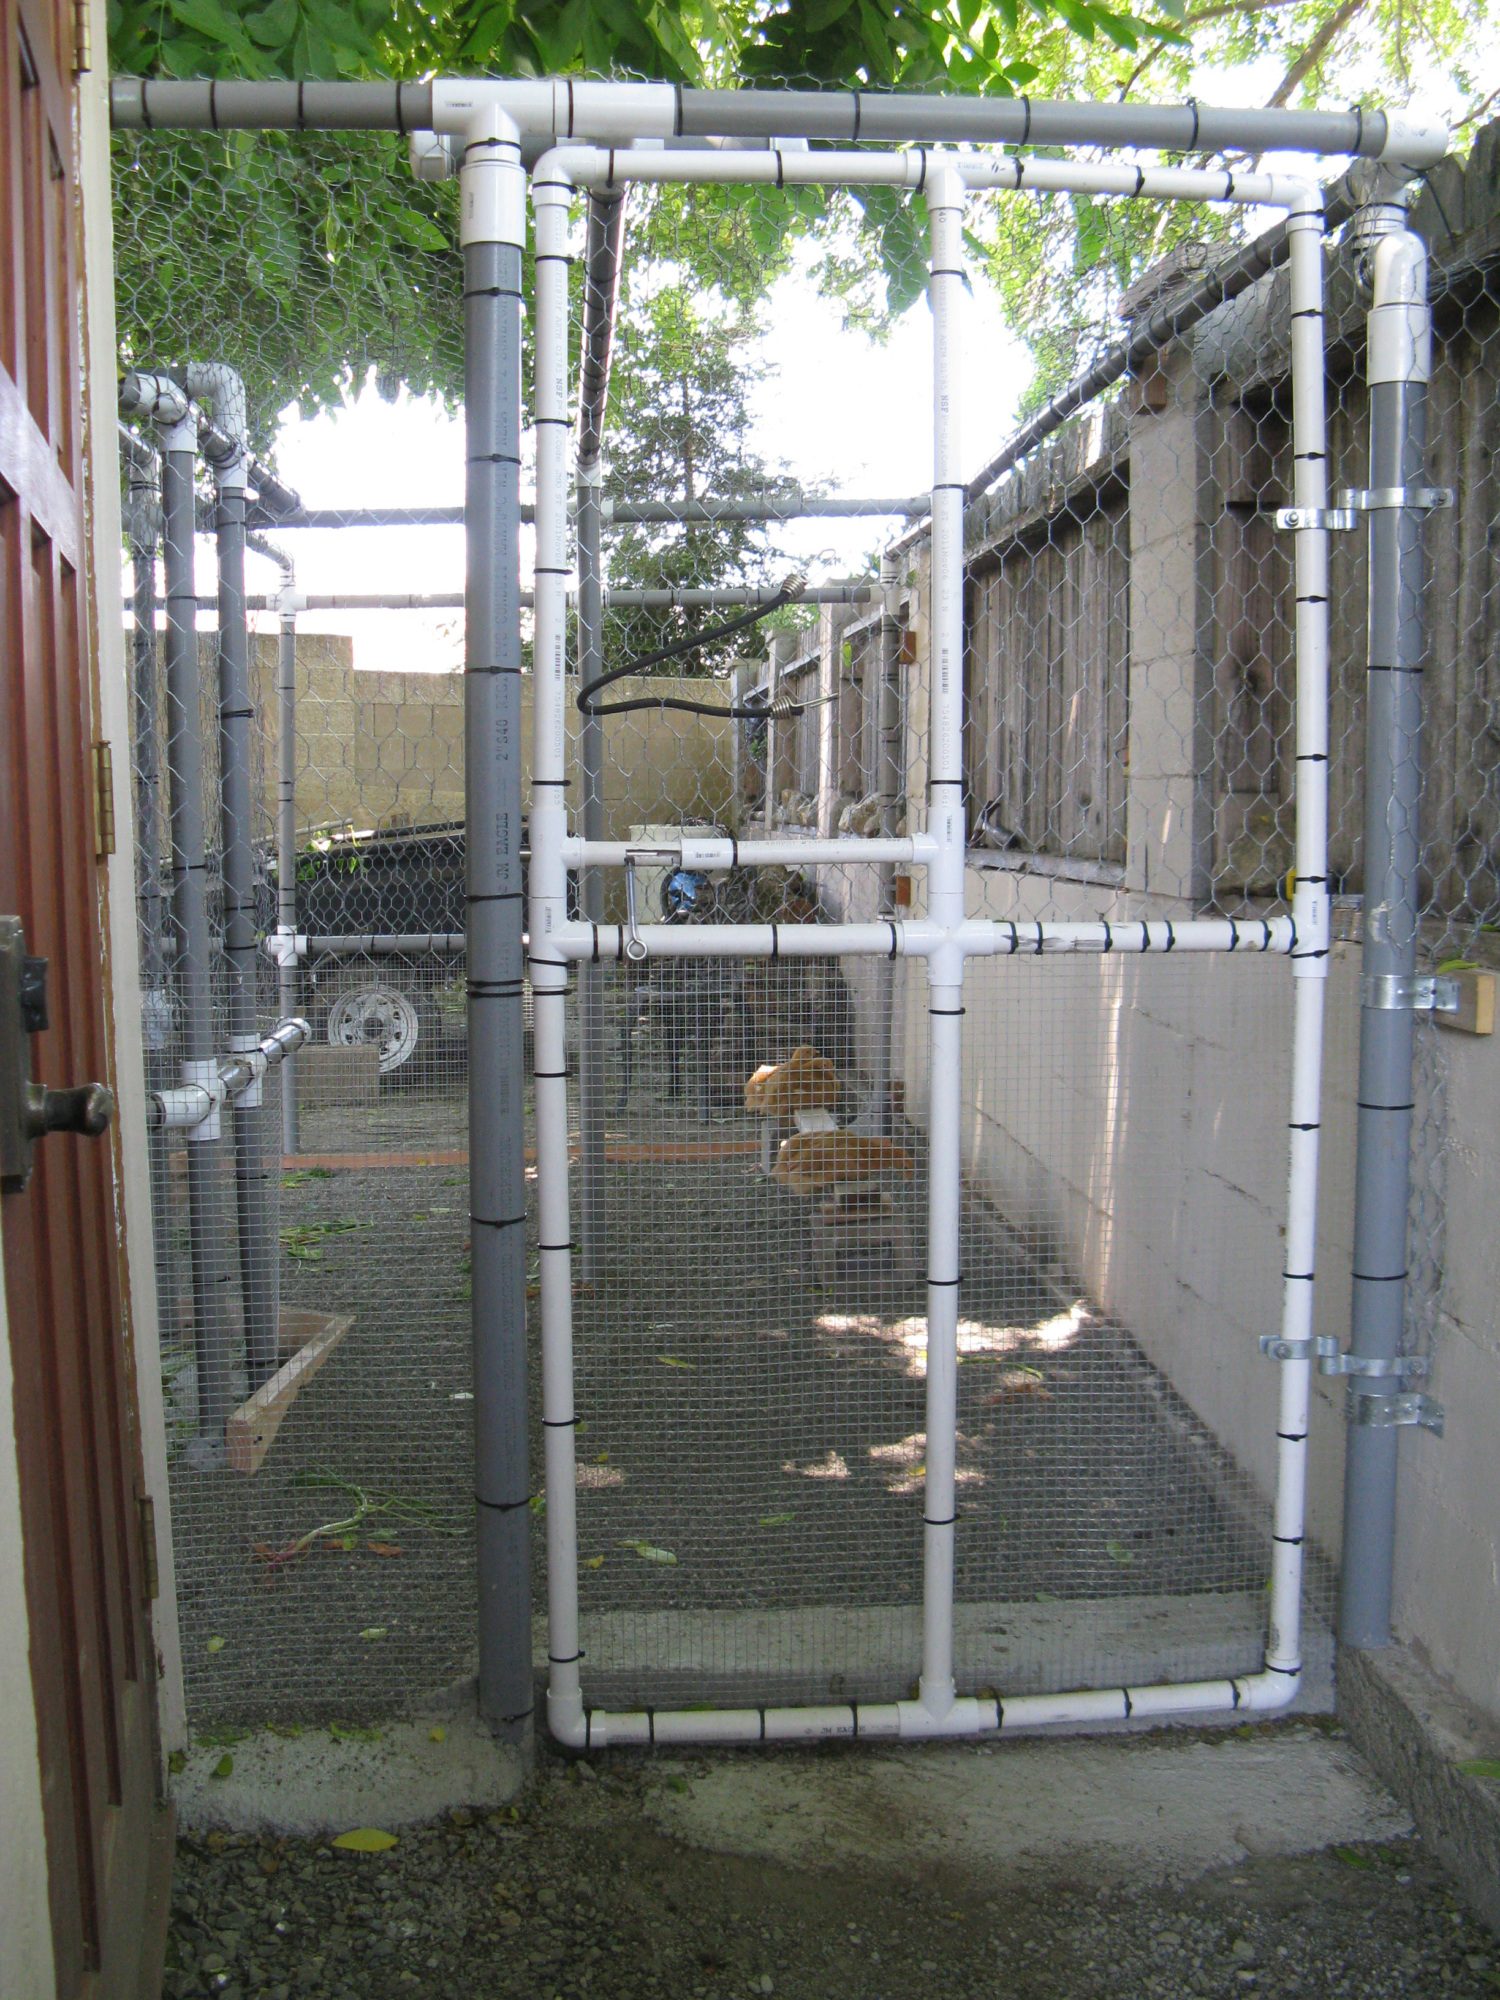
[(492, 785), (213, 1350), (888, 117), (727, 599), (252, 1165), (1393, 784), (769, 507), (145, 526), (146, 756), (890, 782), (773, 507)]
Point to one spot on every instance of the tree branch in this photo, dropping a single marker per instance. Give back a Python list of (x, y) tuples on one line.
[(1316, 49)]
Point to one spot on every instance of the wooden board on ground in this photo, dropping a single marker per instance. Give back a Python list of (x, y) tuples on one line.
[(1476, 1004), (251, 1430)]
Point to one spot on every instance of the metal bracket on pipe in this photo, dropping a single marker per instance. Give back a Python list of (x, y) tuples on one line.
[(1417, 992), (1338, 1362), (636, 947), (1335, 520), (1380, 499), (1316, 1349), (1388, 1410)]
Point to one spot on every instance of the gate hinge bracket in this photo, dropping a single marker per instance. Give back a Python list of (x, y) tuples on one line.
[(1277, 1349), (1389, 499), (1338, 1362), (1386, 1409), (1417, 992), (1335, 520), (150, 1570), (104, 801)]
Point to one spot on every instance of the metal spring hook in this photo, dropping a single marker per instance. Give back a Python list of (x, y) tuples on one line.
[(636, 948)]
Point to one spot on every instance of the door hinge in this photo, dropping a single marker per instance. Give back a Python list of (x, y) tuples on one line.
[(83, 39), (150, 1572), (104, 801)]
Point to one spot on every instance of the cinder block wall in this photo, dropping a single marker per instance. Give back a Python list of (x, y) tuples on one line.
[(379, 749)]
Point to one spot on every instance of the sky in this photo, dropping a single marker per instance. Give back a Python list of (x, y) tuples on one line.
[(837, 407)]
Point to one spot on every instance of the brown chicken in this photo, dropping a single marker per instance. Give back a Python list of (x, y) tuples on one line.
[(812, 1161), (806, 1081)]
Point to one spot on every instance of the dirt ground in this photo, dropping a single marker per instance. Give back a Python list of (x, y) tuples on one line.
[(602, 1885), (751, 1438)]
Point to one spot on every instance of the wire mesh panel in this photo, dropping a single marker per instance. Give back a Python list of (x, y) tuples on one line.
[(749, 1251)]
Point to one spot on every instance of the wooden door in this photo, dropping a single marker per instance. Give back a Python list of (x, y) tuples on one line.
[(77, 1444)]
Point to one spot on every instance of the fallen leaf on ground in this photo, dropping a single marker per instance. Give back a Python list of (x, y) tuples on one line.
[(437, 1734), (365, 1840), (1117, 1552), (223, 1768), (672, 1361), (777, 1520), (648, 1552), (385, 1548), (374, 1632), (215, 1645)]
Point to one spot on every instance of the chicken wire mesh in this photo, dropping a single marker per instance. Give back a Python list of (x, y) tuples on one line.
[(748, 1354)]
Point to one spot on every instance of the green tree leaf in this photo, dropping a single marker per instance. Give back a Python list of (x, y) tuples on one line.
[(273, 26)]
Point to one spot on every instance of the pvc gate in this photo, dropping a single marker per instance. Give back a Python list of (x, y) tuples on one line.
[(944, 939)]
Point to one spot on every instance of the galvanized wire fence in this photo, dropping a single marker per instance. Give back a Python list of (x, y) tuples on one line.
[(748, 1332)]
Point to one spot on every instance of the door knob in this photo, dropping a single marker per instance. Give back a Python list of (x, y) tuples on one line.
[(29, 1111), (86, 1109)]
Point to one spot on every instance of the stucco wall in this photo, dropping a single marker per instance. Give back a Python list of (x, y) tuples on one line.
[(1131, 1114), (376, 748)]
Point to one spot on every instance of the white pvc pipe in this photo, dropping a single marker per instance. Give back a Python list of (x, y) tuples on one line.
[(599, 168), (945, 938), (945, 964), (913, 1721), (193, 1104), (547, 830), (713, 852), (1310, 912), (976, 937)]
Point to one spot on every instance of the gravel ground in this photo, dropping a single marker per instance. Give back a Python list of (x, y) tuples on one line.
[(751, 1437), (577, 1894)]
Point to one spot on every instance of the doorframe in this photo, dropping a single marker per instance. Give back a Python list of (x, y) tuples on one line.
[(101, 478), (26, 1962)]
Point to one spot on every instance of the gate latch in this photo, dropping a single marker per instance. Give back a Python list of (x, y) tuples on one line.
[(1336, 520), (28, 1111)]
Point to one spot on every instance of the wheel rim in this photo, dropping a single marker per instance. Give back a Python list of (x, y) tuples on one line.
[(377, 1014)]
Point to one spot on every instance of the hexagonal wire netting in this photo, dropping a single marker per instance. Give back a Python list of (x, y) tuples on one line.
[(749, 1351)]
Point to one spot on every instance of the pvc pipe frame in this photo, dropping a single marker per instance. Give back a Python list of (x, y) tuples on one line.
[(220, 386), (548, 109), (195, 1104), (212, 1339), (944, 938), (1399, 349), (770, 507)]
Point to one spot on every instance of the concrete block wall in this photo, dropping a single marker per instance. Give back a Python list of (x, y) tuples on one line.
[(376, 749), (1130, 1114)]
